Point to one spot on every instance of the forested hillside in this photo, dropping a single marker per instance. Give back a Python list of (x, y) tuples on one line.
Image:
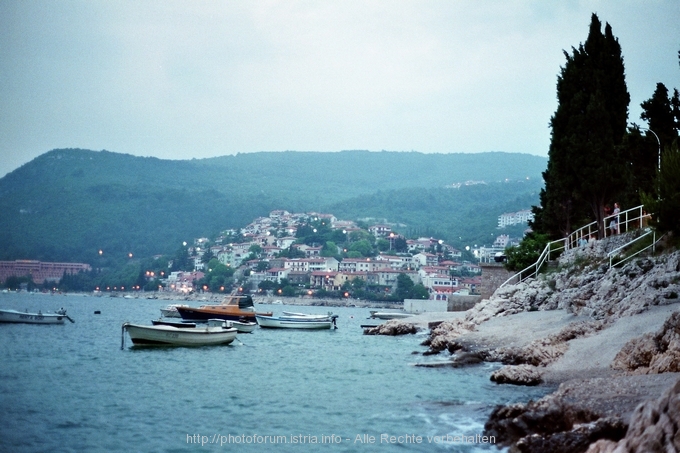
[(69, 204)]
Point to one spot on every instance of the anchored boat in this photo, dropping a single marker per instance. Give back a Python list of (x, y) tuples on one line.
[(298, 321), (233, 308), (216, 332), (390, 314), (171, 311), (34, 318)]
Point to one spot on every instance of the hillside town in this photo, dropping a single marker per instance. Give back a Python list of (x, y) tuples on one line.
[(308, 254), (260, 255)]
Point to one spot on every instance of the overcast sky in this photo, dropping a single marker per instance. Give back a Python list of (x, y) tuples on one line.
[(185, 79)]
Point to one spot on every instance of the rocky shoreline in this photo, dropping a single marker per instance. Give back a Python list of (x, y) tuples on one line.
[(607, 338)]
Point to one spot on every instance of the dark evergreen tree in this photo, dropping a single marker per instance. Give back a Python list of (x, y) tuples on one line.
[(642, 151), (675, 106), (666, 205), (658, 112), (586, 168)]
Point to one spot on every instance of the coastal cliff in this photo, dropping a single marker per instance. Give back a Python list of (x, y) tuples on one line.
[(607, 338)]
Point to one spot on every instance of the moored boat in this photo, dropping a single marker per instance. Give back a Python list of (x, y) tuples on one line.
[(15, 316), (243, 326), (171, 311), (297, 322), (216, 332), (390, 314), (232, 308)]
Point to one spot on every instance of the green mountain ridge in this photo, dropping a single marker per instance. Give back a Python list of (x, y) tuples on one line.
[(68, 204)]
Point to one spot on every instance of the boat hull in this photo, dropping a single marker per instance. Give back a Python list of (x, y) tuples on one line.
[(14, 316), (390, 315), (292, 323), (224, 312), (164, 335), (243, 326), (169, 313)]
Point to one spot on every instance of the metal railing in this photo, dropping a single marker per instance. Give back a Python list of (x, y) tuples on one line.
[(582, 234), (612, 255), (542, 258), (632, 219)]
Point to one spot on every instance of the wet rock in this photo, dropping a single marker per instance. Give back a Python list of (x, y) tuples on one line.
[(467, 358), (392, 327), (550, 425), (445, 335), (654, 427), (578, 439), (517, 374)]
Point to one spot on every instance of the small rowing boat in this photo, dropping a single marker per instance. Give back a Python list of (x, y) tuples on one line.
[(216, 332), (390, 314), (34, 318), (298, 322)]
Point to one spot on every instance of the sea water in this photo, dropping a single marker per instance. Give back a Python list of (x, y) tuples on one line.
[(72, 388)]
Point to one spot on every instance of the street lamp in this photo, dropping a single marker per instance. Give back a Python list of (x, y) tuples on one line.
[(657, 141)]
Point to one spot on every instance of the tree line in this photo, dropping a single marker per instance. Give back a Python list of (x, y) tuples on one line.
[(595, 156)]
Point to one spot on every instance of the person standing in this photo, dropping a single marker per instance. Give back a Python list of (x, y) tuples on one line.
[(614, 224)]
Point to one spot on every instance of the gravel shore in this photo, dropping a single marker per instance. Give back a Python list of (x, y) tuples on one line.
[(583, 374)]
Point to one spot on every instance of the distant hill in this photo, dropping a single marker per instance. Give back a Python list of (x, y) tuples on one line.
[(67, 204)]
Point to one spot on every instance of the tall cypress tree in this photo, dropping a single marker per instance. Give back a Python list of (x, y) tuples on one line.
[(586, 167), (658, 112)]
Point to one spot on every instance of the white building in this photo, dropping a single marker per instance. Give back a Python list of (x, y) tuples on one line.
[(515, 218)]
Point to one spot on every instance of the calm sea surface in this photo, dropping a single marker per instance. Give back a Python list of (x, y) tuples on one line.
[(71, 387)]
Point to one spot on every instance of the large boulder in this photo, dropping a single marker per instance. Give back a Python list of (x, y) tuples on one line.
[(550, 425), (652, 353), (392, 327), (445, 335), (654, 427), (517, 374)]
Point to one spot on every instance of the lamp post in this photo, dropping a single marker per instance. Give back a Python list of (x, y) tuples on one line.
[(657, 140)]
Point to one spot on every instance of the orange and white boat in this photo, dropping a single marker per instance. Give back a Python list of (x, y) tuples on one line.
[(232, 308)]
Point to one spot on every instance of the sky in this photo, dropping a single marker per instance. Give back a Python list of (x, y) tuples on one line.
[(197, 79)]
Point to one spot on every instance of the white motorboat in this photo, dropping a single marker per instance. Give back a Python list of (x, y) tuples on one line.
[(242, 326), (297, 322), (390, 314), (216, 332), (171, 311), (34, 318)]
